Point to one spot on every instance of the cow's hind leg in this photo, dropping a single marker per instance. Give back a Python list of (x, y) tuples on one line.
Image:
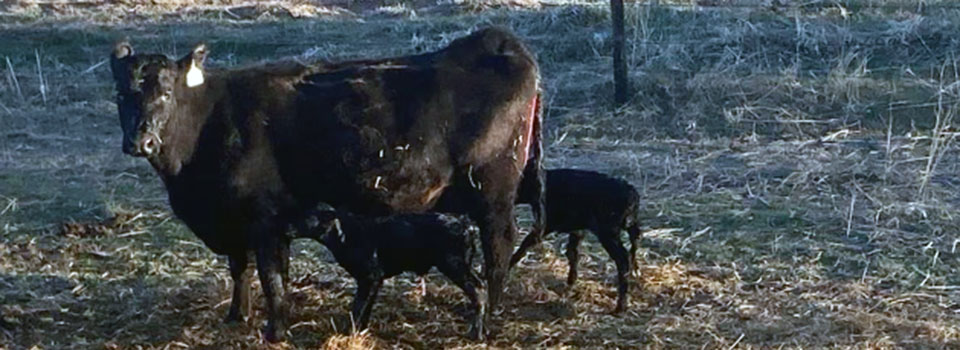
[(240, 271), (487, 196), (497, 183), (497, 231), (610, 239)]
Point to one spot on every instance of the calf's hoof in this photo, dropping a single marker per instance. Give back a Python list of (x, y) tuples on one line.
[(621, 307)]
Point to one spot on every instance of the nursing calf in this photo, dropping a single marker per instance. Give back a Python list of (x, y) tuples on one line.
[(372, 249)]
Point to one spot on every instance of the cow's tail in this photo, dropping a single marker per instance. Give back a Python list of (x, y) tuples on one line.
[(534, 176)]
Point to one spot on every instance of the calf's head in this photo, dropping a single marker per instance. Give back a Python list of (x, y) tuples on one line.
[(324, 226), (152, 90)]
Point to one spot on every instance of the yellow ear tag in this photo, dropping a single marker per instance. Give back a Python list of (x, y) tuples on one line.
[(194, 76)]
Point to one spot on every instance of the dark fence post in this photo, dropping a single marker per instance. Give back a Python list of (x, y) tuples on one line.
[(619, 61)]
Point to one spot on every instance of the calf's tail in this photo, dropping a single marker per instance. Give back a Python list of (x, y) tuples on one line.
[(633, 231)]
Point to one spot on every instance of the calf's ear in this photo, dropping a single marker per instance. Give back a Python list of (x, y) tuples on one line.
[(193, 64)]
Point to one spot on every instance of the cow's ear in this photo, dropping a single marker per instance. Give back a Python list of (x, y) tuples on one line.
[(122, 49), (119, 64), (193, 63), (199, 55)]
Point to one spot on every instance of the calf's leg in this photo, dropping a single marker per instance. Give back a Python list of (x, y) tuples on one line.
[(241, 272), (283, 253), (527, 243), (573, 256), (363, 301), (610, 239), (460, 272), (634, 234)]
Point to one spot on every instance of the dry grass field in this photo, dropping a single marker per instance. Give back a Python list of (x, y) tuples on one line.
[(796, 159)]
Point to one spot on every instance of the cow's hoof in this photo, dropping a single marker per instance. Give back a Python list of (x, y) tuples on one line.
[(234, 318), (272, 334), (476, 334)]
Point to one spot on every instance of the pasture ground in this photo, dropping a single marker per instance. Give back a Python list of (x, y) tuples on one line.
[(796, 160)]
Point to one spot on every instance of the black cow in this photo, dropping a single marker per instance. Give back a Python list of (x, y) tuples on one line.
[(372, 249), (245, 152), (586, 200)]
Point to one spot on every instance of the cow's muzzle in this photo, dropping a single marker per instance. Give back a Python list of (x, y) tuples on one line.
[(146, 146)]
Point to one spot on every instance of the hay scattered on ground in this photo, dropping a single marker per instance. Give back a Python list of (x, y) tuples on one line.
[(797, 162)]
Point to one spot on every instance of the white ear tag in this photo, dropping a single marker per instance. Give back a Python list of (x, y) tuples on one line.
[(343, 237), (194, 76)]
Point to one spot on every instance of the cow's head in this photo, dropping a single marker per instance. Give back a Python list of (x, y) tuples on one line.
[(148, 90)]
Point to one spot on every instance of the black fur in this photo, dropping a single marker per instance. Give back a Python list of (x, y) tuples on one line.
[(250, 150), (586, 200), (372, 249)]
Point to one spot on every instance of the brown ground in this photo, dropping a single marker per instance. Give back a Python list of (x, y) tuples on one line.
[(796, 161)]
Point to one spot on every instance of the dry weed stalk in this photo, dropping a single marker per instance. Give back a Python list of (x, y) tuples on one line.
[(12, 78), (42, 82), (944, 113), (789, 224)]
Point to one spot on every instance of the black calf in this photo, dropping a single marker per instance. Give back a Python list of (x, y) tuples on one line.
[(586, 200), (375, 248)]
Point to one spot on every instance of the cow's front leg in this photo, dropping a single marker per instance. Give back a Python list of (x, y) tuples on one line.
[(269, 267), (241, 272)]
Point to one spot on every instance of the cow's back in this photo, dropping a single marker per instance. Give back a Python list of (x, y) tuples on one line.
[(394, 131)]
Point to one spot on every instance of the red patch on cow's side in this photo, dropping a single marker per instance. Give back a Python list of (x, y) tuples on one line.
[(525, 152)]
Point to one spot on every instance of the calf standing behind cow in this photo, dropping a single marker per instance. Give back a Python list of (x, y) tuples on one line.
[(372, 249), (244, 152), (586, 200)]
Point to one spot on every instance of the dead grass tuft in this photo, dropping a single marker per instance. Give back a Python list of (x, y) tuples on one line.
[(358, 341), (797, 163)]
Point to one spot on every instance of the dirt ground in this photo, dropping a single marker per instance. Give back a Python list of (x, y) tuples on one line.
[(796, 159)]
